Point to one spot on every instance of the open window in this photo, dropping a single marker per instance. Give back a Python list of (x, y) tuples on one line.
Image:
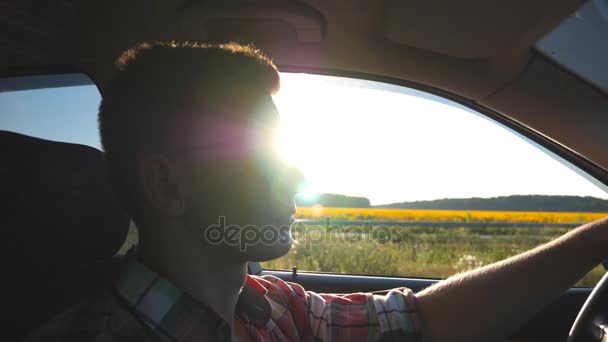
[(406, 183)]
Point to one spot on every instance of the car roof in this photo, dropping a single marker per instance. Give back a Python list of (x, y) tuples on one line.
[(478, 52)]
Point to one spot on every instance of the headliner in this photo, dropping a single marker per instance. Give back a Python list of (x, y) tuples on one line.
[(479, 51)]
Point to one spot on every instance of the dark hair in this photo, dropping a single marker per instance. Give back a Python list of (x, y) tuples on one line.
[(159, 82)]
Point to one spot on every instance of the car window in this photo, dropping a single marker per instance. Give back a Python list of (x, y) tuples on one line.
[(406, 183), (60, 107)]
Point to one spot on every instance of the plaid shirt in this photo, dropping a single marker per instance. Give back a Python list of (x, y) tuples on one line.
[(146, 307)]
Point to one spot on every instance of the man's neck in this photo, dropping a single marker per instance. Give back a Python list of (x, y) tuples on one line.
[(206, 274)]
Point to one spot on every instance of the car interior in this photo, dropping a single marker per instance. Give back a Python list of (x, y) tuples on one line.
[(537, 67)]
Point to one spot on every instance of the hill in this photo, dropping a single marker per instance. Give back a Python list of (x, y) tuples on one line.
[(510, 203)]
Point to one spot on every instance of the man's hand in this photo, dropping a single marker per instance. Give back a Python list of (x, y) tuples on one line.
[(489, 303)]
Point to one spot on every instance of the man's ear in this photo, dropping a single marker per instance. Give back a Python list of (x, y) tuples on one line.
[(161, 185)]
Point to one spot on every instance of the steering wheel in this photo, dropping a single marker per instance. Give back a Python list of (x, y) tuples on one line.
[(591, 324)]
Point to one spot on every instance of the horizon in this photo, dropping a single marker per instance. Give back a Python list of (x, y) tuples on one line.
[(463, 198)]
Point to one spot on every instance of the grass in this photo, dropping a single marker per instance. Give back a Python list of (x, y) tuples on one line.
[(418, 251)]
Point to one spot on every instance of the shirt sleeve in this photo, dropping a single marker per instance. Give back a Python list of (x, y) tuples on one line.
[(389, 316)]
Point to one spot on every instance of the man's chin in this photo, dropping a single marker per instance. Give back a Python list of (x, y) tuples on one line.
[(260, 252)]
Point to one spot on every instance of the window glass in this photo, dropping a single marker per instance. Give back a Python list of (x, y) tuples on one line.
[(404, 183), (54, 107)]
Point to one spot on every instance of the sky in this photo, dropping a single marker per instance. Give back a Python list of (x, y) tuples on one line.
[(62, 114), (393, 144), (361, 138)]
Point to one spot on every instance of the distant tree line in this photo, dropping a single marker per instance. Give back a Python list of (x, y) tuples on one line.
[(333, 200), (510, 203)]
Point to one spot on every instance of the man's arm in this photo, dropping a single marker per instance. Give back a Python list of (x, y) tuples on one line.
[(491, 302)]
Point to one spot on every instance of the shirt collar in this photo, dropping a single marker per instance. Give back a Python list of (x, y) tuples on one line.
[(253, 305), (172, 312)]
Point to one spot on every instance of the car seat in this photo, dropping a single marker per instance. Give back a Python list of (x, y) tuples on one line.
[(62, 227)]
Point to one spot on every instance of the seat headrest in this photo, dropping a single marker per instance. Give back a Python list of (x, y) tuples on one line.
[(60, 208)]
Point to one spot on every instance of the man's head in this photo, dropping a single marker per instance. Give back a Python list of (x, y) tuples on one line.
[(188, 131)]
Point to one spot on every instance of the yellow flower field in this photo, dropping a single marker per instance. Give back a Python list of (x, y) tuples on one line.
[(433, 252), (444, 215)]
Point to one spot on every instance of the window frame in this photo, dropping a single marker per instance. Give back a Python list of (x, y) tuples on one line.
[(577, 160)]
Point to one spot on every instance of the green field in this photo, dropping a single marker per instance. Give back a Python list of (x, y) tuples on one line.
[(410, 251)]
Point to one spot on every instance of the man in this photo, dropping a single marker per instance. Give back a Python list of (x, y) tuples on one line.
[(187, 130)]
